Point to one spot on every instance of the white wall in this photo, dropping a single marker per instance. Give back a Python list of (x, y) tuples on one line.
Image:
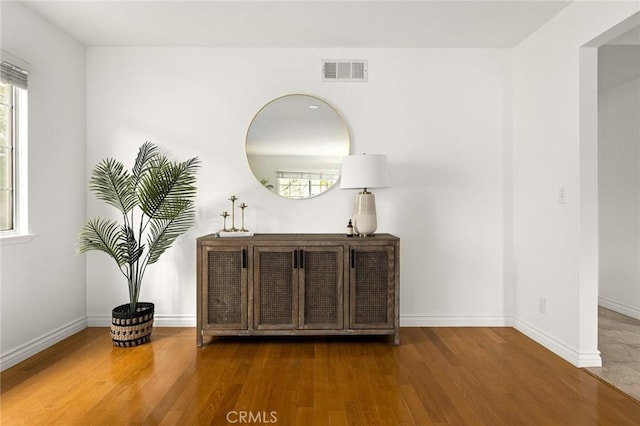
[(441, 116), (42, 282), (549, 151), (619, 184)]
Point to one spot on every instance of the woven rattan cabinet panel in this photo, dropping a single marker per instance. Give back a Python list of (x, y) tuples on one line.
[(275, 288), (321, 288), (298, 284), (372, 287), (224, 287)]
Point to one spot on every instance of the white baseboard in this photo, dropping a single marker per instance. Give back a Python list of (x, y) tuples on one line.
[(578, 358), (22, 352), (454, 321), (405, 321), (589, 359), (158, 321), (618, 307)]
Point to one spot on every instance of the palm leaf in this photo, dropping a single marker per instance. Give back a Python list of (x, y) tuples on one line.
[(103, 235), (163, 232), (147, 153), (128, 241), (111, 183), (165, 189)]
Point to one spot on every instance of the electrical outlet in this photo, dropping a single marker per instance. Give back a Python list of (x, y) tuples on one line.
[(542, 305), (562, 195)]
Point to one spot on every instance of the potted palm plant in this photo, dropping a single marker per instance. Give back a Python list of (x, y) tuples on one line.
[(156, 201)]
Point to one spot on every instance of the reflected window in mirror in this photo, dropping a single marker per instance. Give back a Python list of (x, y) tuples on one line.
[(305, 184), (295, 146)]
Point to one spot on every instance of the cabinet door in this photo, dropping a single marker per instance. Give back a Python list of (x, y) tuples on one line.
[(321, 284), (225, 287), (275, 292), (371, 287)]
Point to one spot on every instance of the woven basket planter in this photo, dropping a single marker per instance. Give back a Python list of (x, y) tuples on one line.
[(129, 329)]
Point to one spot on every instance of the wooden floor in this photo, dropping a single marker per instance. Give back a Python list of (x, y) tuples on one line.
[(440, 376)]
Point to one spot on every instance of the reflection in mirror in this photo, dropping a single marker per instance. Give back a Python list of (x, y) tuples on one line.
[(295, 146)]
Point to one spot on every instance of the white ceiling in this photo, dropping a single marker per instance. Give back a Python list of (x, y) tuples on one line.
[(301, 23)]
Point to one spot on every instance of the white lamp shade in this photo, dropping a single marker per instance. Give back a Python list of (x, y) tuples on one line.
[(364, 171)]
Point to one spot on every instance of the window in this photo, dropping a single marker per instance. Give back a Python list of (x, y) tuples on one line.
[(13, 84), (6, 157), (304, 184)]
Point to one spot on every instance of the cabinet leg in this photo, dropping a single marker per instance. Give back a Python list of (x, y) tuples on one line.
[(396, 337), (199, 339)]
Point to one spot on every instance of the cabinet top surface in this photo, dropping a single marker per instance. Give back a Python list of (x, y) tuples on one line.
[(301, 237)]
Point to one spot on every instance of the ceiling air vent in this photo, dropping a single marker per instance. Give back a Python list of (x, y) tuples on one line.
[(344, 70)]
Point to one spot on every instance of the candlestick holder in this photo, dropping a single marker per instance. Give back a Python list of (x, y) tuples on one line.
[(242, 207), (224, 215), (233, 199)]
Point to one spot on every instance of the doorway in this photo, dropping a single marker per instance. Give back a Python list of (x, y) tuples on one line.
[(618, 204)]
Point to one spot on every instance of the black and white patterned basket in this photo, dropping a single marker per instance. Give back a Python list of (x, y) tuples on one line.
[(131, 329)]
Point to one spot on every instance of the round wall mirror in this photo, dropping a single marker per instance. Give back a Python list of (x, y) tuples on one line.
[(295, 146)]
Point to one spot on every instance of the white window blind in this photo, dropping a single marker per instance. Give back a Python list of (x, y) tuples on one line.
[(13, 74)]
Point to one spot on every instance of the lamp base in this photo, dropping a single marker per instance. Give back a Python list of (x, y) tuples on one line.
[(364, 214)]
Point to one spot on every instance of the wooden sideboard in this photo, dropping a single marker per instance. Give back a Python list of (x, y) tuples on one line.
[(298, 284)]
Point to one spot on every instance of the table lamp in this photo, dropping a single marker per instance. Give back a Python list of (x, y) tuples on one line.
[(364, 172)]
